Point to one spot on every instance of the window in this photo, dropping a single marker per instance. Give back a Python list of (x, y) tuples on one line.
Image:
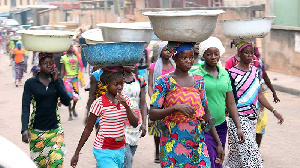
[(28, 2), (5, 2), (21, 2)]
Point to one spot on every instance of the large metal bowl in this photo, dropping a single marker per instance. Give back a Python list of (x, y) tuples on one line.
[(60, 27), (93, 36), (247, 28), (113, 54), (126, 32), (47, 27), (184, 26), (46, 40)]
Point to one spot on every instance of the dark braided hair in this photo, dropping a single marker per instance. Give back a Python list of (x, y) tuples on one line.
[(109, 75)]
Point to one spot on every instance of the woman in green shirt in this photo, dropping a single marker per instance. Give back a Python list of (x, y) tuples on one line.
[(219, 94)]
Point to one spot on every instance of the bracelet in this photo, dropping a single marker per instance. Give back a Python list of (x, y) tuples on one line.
[(273, 110)]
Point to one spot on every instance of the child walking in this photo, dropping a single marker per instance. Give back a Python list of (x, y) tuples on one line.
[(113, 109)]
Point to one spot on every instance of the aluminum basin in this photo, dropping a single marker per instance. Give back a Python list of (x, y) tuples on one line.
[(247, 28), (126, 32), (184, 26)]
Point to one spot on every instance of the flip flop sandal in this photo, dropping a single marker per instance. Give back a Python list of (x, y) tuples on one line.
[(156, 160), (209, 125)]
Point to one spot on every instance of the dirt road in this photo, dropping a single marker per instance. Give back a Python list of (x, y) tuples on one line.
[(279, 148)]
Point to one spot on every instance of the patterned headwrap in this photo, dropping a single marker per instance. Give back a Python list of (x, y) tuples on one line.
[(177, 47), (43, 55), (117, 69), (256, 52), (242, 45)]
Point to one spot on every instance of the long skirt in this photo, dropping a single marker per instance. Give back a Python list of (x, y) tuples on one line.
[(212, 145), (19, 69), (245, 155), (47, 148), (184, 146), (71, 85)]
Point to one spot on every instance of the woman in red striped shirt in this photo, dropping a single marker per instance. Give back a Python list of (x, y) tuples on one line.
[(113, 109)]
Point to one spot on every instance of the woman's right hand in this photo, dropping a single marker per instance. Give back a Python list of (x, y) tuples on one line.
[(185, 109), (74, 160), (26, 136)]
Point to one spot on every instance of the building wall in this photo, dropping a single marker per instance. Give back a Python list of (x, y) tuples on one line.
[(4, 7), (19, 4), (283, 50), (287, 13)]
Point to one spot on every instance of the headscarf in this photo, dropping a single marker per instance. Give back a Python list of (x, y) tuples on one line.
[(177, 47), (19, 42), (242, 45), (161, 46), (159, 64), (209, 43), (43, 55)]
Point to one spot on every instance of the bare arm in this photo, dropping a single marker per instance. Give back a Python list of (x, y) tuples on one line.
[(62, 73), (233, 112), (270, 86), (133, 119), (262, 99), (143, 111), (84, 137), (150, 83), (92, 92)]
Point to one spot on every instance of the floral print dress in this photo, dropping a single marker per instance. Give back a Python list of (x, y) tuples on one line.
[(182, 141)]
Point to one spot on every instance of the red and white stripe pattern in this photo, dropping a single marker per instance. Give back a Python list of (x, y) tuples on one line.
[(111, 119)]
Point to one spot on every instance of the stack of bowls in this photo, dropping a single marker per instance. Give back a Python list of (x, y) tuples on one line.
[(123, 44)]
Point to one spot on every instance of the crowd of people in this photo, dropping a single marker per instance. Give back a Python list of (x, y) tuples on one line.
[(194, 104)]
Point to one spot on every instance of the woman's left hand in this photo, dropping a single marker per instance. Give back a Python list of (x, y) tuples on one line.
[(279, 117), (221, 154)]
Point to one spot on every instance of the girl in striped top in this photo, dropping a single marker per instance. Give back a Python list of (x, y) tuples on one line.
[(113, 109)]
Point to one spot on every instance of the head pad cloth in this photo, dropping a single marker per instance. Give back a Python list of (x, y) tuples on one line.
[(209, 43), (242, 45), (117, 69), (177, 47), (161, 46), (43, 55)]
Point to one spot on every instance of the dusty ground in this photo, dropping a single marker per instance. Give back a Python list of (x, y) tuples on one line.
[(279, 148)]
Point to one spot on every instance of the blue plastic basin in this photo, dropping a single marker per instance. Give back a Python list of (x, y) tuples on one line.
[(113, 54)]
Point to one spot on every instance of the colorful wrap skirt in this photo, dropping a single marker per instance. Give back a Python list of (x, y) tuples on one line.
[(71, 85), (47, 148), (184, 147), (19, 70)]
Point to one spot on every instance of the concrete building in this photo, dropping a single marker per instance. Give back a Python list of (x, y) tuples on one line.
[(8, 5)]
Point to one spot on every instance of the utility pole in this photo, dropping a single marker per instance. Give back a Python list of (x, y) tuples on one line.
[(105, 10), (117, 10)]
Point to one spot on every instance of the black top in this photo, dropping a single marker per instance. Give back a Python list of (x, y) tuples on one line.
[(44, 100)]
